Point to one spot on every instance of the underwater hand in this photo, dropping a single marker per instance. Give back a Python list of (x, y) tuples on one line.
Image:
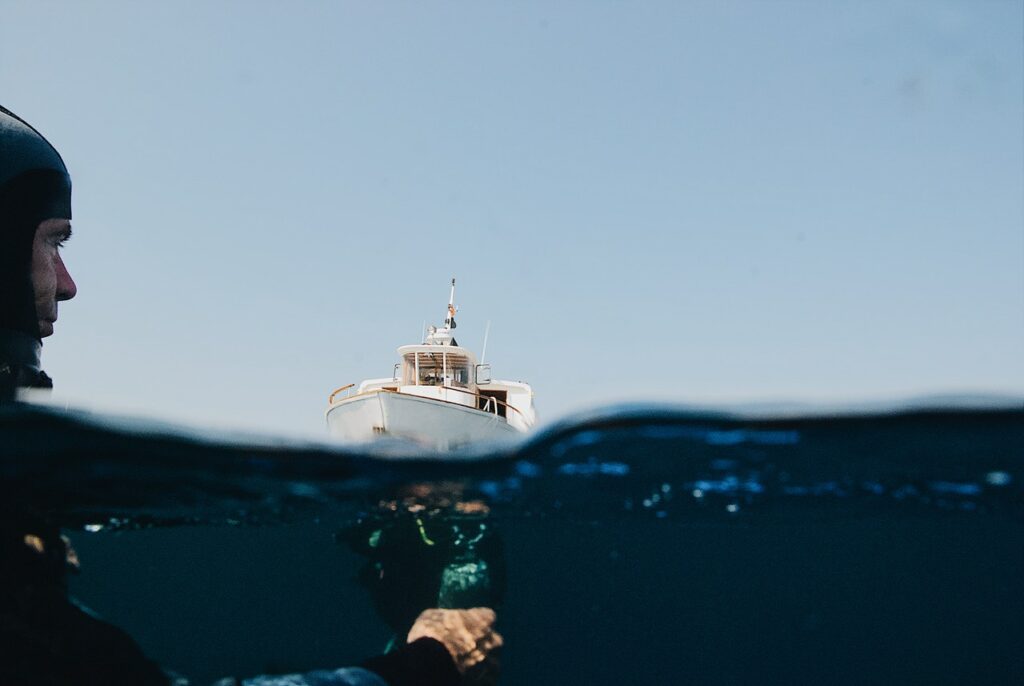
[(468, 635)]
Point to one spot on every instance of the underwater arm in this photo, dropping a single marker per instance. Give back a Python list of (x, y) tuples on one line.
[(348, 676), (424, 662), (445, 648)]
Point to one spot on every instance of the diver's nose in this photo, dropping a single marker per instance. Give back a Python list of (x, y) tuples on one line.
[(66, 287)]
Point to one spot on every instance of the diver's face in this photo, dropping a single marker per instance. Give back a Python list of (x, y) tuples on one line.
[(50, 278)]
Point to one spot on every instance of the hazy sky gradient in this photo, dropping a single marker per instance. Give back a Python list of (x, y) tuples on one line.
[(685, 201)]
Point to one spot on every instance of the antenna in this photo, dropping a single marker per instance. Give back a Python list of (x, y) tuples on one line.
[(487, 331)]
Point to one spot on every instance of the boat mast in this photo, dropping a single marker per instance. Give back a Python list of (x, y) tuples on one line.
[(450, 319), (449, 324)]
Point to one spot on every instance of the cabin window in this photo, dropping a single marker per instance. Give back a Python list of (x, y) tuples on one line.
[(409, 370), (434, 369), (429, 375)]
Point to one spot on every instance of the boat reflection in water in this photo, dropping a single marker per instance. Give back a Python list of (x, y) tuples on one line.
[(438, 397)]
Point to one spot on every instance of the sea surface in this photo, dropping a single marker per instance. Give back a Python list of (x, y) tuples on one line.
[(633, 545)]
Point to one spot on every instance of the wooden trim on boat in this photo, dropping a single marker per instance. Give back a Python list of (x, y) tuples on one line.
[(330, 398)]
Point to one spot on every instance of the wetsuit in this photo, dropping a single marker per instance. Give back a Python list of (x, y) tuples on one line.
[(46, 638)]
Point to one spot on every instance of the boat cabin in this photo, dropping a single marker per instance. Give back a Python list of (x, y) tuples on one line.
[(435, 365)]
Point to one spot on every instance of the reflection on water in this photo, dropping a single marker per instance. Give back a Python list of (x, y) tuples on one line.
[(639, 547)]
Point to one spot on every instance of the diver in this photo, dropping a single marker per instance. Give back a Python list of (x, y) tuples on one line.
[(35, 220), (428, 546), (47, 637)]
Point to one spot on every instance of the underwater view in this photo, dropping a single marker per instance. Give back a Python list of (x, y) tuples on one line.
[(511, 343), (631, 545)]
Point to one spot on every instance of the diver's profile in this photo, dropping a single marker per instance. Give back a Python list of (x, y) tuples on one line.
[(35, 220)]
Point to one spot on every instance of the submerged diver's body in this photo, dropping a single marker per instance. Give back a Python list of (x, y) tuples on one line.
[(48, 639)]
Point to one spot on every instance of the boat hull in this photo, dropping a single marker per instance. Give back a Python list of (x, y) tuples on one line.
[(429, 422)]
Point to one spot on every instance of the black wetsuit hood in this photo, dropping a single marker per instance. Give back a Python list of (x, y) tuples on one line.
[(34, 186)]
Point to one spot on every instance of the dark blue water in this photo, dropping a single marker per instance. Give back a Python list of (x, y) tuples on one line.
[(637, 546)]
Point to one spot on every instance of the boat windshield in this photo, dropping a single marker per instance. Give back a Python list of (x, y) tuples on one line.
[(435, 369)]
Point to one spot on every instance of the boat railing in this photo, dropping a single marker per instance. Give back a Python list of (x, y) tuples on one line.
[(336, 391), (490, 402)]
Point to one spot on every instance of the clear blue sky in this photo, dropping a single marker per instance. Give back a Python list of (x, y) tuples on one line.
[(700, 202)]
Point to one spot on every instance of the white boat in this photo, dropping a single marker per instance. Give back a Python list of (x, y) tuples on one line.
[(438, 396)]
